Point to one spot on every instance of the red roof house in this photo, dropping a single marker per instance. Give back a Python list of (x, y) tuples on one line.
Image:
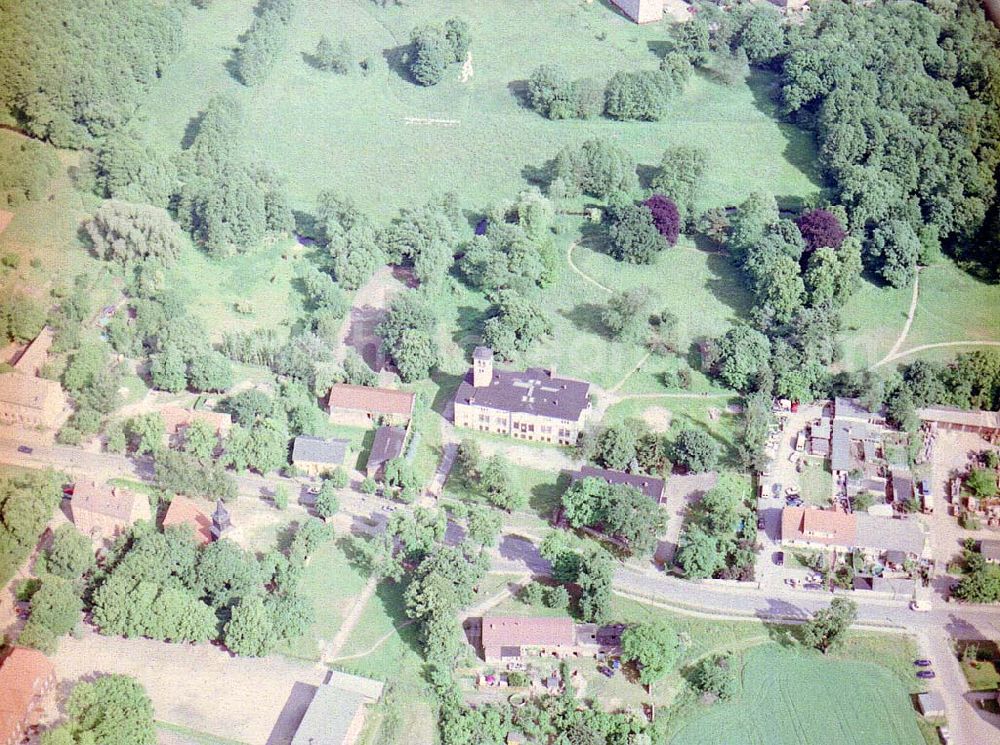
[(26, 677), (509, 637), (813, 527), (183, 511)]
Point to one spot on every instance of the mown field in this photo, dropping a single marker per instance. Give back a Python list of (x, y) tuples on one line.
[(351, 132), (791, 699)]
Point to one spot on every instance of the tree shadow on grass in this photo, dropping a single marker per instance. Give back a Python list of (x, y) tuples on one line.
[(390, 595), (191, 130), (726, 286), (519, 90), (544, 499), (468, 322), (398, 60), (587, 317)]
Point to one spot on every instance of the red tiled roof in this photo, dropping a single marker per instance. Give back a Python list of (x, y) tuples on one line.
[(175, 418), (829, 527), (514, 631), (21, 676), (183, 511), (103, 499), (375, 400)]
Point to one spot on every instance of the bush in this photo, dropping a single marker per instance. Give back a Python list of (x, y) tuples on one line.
[(531, 594), (133, 233), (556, 597), (695, 450), (641, 95), (634, 237), (598, 167)]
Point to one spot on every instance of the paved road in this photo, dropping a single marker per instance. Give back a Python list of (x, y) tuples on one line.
[(518, 553)]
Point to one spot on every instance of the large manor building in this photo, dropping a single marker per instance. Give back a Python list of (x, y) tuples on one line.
[(530, 405)]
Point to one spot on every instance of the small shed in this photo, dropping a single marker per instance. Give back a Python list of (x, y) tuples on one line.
[(931, 704)]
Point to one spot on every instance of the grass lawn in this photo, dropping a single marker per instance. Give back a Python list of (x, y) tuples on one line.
[(940, 317), (544, 489), (684, 412), (816, 483), (211, 288), (384, 649), (984, 676), (321, 129), (332, 584), (789, 698)]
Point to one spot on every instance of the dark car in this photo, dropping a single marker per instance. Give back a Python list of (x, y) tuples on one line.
[(760, 523), (925, 674), (922, 663), (779, 558), (607, 672), (812, 586), (25, 449), (776, 490)]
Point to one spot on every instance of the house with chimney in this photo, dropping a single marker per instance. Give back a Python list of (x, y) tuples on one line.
[(103, 512), (26, 679), (27, 400), (533, 404), (511, 638)]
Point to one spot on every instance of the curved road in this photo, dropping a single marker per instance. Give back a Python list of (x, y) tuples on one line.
[(517, 553)]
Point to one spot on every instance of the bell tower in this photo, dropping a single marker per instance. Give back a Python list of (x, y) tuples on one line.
[(482, 367)]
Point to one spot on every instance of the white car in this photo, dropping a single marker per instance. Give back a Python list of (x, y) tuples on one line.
[(793, 457), (921, 606)]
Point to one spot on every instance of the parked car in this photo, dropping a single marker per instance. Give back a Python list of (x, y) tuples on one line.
[(607, 672), (760, 523), (779, 558), (25, 449), (925, 674), (793, 457), (812, 586), (922, 663), (776, 490), (920, 605), (945, 735), (795, 502)]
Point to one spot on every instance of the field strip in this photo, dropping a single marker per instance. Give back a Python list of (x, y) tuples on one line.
[(629, 396), (569, 258), (427, 120)]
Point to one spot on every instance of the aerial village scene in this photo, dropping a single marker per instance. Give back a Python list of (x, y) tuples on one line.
[(499, 372)]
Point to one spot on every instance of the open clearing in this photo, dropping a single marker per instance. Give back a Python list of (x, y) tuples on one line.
[(352, 132), (790, 699)]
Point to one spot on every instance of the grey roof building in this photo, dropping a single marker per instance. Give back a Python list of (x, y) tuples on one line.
[(336, 714), (317, 450), (388, 444), (534, 391), (651, 486), (902, 485), (890, 534), (990, 550), (931, 704)]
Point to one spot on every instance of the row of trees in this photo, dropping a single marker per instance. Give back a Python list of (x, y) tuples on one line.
[(642, 95), (27, 502), (631, 446), (492, 477)]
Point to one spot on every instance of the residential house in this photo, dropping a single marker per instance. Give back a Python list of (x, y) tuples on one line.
[(26, 399), (877, 536), (363, 406), (900, 539), (651, 486), (184, 511), (315, 455), (530, 405), (336, 713), (103, 512), (509, 638), (983, 423), (814, 528), (177, 420), (641, 11), (902, 484), (26, 678), (990, 550), (388, 444)]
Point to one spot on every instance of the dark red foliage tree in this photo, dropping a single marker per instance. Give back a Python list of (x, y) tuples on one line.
[(665, 217), (820, 229)]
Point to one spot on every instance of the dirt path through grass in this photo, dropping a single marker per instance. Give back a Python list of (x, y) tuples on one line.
[(340, 639), (569, 260), (906, 326)]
